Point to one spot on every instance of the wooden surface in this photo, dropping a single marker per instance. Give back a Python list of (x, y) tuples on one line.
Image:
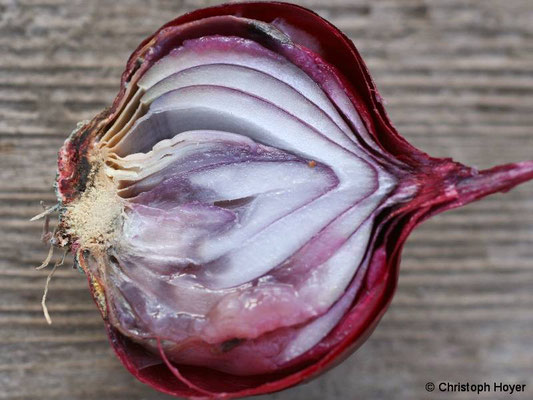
[(458, 79)]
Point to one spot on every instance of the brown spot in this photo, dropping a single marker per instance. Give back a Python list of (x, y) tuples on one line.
[(230, 344), (312, 164), (234, 203)]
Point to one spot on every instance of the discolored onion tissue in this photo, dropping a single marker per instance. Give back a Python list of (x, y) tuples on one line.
[(240, 209)]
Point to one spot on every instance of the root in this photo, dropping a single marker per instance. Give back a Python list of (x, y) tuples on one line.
[(46, 212), (48, 279), (47, 259), (47, 237)]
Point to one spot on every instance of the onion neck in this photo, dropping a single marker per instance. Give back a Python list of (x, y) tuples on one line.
[(501, 178), (446, 184)]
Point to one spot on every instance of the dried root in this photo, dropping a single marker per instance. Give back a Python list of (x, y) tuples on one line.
[(48, 279), (47, 238)]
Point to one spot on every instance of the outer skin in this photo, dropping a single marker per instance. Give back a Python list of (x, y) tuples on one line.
[(440, 184)]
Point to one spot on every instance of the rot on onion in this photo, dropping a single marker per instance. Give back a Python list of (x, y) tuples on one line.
[(240, 209)]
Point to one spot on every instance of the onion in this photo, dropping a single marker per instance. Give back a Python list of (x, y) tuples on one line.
[(240, 209)]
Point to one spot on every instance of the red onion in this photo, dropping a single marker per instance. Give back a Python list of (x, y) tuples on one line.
[(240, 209)]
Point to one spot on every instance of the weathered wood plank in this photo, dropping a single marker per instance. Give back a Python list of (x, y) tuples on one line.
[(457, 76)]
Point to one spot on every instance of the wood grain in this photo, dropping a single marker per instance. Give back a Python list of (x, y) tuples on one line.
[(457, 76)]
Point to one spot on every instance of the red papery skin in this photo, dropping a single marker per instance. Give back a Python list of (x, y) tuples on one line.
[(442, 184)]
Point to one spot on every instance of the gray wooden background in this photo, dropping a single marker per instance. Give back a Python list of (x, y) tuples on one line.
[(458, 79)]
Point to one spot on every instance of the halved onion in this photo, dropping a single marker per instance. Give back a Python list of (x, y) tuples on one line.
[(240, 209)]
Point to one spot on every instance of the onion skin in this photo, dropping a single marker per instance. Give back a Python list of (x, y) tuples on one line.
[(443, 184)]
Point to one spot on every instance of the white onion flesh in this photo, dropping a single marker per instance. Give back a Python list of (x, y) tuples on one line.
[(249, 205)]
